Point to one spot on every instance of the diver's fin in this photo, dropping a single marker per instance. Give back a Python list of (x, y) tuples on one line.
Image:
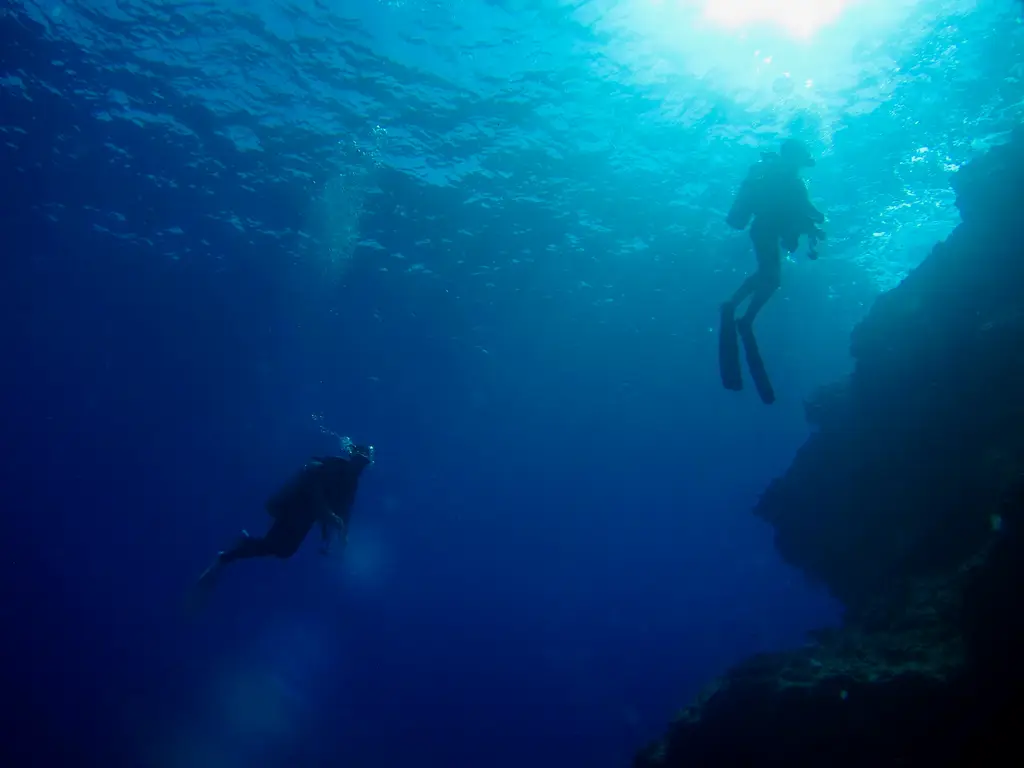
[(210, 576), (729, 351), (201, 590), (756, 364)]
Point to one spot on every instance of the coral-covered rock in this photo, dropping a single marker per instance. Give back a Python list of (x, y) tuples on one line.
[(930, 679), (843, 700)]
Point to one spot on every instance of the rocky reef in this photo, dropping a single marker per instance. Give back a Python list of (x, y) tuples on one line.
[(907, 502)]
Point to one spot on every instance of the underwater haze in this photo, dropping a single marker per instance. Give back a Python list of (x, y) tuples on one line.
[(488, 238)]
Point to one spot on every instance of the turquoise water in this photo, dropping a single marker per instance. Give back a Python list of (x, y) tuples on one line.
[(631, 118)]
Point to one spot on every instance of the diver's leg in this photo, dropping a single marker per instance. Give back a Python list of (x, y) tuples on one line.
[(746, 289), (765, 245), (767, 278), (271, 545), (248, 546), (286, 535), (761, 296), (282, 540)]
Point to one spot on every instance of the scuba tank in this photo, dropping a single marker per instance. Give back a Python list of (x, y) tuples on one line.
[(748, 199)]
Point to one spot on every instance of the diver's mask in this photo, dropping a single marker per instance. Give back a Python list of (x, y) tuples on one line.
[(361, 453)]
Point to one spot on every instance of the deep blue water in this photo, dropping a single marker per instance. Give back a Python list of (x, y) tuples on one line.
[(487, 239)]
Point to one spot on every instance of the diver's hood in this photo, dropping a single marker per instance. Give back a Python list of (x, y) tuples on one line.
[(796, 152)]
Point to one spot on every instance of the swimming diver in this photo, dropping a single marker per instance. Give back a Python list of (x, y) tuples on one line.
[(323, 492), (775, 197)]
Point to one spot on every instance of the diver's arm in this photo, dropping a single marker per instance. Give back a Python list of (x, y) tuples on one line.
[(814, 217), (810, 211), (329, 523), (335, 495), (798, 200)]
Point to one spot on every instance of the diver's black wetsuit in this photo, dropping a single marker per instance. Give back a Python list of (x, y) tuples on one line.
[(325, 486), (775, 197)]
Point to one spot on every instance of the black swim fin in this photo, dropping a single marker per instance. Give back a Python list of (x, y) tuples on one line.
[(210, 577), (196, 598), (729, 351), (756, 364)]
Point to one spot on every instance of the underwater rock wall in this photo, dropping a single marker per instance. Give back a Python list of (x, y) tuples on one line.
[(914, 452), (907, 503)]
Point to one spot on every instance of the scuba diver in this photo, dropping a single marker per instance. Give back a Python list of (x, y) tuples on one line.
[(323, 492), (775, 197)]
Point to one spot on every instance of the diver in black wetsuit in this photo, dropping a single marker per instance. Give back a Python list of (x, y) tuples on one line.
[(322, 492), (774, 196)]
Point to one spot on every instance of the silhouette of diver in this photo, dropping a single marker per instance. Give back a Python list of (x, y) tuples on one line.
[(322, 492), (775, 197)]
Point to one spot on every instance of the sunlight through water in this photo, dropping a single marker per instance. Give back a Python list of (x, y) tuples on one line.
[(734, 76), (799, 18), (890, 95), (813, 53)]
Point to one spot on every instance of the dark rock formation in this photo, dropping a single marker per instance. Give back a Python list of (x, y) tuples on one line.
[(908, 504)]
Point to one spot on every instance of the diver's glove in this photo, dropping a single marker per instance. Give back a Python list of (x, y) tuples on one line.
[(331, 524)]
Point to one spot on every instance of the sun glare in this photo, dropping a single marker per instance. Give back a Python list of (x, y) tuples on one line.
[(798, 18)]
